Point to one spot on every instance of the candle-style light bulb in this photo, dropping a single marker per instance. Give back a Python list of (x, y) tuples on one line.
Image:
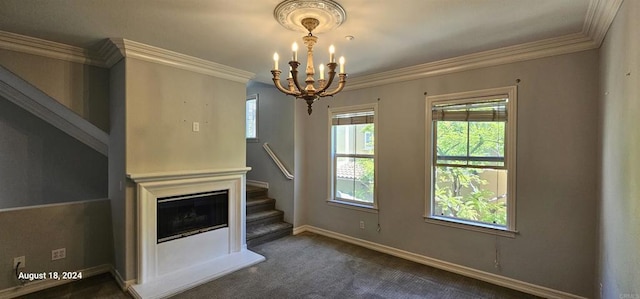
[(290, 76), (294, 48), (321, 71), (332, 55), (275, 60), (342, 65)]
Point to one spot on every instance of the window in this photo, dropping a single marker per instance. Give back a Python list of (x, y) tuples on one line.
[(353, 155), (252, 118), (471, 151)]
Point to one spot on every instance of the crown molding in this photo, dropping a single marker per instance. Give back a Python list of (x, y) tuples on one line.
[(35, 46), (539, 49), (599, 17), (130, 49), (113, 50)]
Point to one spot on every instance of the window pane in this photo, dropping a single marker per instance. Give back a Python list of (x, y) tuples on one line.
[(355, 179), (345, 178), (486, 140), (470, 143), (472, 194), (354, 139), (251, 130), (363, 139), (344, 139), (364, 179), (451, 141)]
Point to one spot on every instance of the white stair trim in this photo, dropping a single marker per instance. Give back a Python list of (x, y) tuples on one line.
[(30, 98), (260, 184)]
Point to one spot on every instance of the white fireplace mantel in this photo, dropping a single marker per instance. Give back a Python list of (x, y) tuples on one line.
[(176, 175), (173, 266)]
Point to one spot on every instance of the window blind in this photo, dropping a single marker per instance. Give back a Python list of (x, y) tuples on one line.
[(356, 118), (492, 110)]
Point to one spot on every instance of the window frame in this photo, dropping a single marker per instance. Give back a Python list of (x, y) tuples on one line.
[(246, 119), (332, 158), (510, 92)]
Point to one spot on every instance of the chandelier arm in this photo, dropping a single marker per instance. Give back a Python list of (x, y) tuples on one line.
[(341, 84), (294, 73), (276, 82), (332, 74)]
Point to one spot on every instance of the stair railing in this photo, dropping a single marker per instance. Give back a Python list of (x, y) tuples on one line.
[(276, 160)]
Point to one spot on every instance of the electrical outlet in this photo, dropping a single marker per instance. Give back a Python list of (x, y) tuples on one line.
[(58, 254), (20, 260), (196, 126), (361, 224)]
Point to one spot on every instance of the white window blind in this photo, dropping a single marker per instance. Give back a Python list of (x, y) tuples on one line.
[(492, 110), (356, 118)]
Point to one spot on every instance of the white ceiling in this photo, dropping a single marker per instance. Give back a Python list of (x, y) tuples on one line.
[(244, 34)]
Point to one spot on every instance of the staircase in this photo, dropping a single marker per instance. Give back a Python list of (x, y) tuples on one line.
[(264, 222)]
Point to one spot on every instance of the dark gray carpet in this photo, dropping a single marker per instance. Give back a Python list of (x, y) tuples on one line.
[(313, 266)]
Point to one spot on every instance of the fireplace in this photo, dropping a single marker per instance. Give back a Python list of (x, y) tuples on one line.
[(191, 229), (186, 215)]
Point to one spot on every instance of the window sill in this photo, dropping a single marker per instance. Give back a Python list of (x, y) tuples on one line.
[(472, 226), (253, 140), (353, 206)]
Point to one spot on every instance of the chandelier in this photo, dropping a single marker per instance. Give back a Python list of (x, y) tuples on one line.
[(309, 13)]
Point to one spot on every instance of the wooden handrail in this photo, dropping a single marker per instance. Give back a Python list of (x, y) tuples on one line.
[(275, 159)]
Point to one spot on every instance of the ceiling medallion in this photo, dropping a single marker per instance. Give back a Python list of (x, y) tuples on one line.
[(290, 14), (310, 15)]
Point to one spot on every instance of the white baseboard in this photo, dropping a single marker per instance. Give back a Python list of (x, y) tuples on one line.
[(447, 266), (301, 229), (258, 184), (124, 284), (39, 285)]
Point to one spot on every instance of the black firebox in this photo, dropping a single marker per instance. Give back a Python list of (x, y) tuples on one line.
[(185, 215)]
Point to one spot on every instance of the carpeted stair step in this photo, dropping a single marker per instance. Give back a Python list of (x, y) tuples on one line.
[(264, 223), (268, 232), (261, 204), (256, 192), (264, 217)]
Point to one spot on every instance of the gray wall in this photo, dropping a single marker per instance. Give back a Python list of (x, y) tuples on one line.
[(153, 108), (82, 88), (300, 190), (162, 103), (557, 172), (83, 228), (40, 164), (123, 232), (275, 126), (619, 271), (46, 176)]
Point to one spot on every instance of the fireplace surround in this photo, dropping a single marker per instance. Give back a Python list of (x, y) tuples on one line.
[(170, 264)]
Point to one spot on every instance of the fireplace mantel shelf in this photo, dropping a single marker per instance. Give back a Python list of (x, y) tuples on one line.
[(184, 174)]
